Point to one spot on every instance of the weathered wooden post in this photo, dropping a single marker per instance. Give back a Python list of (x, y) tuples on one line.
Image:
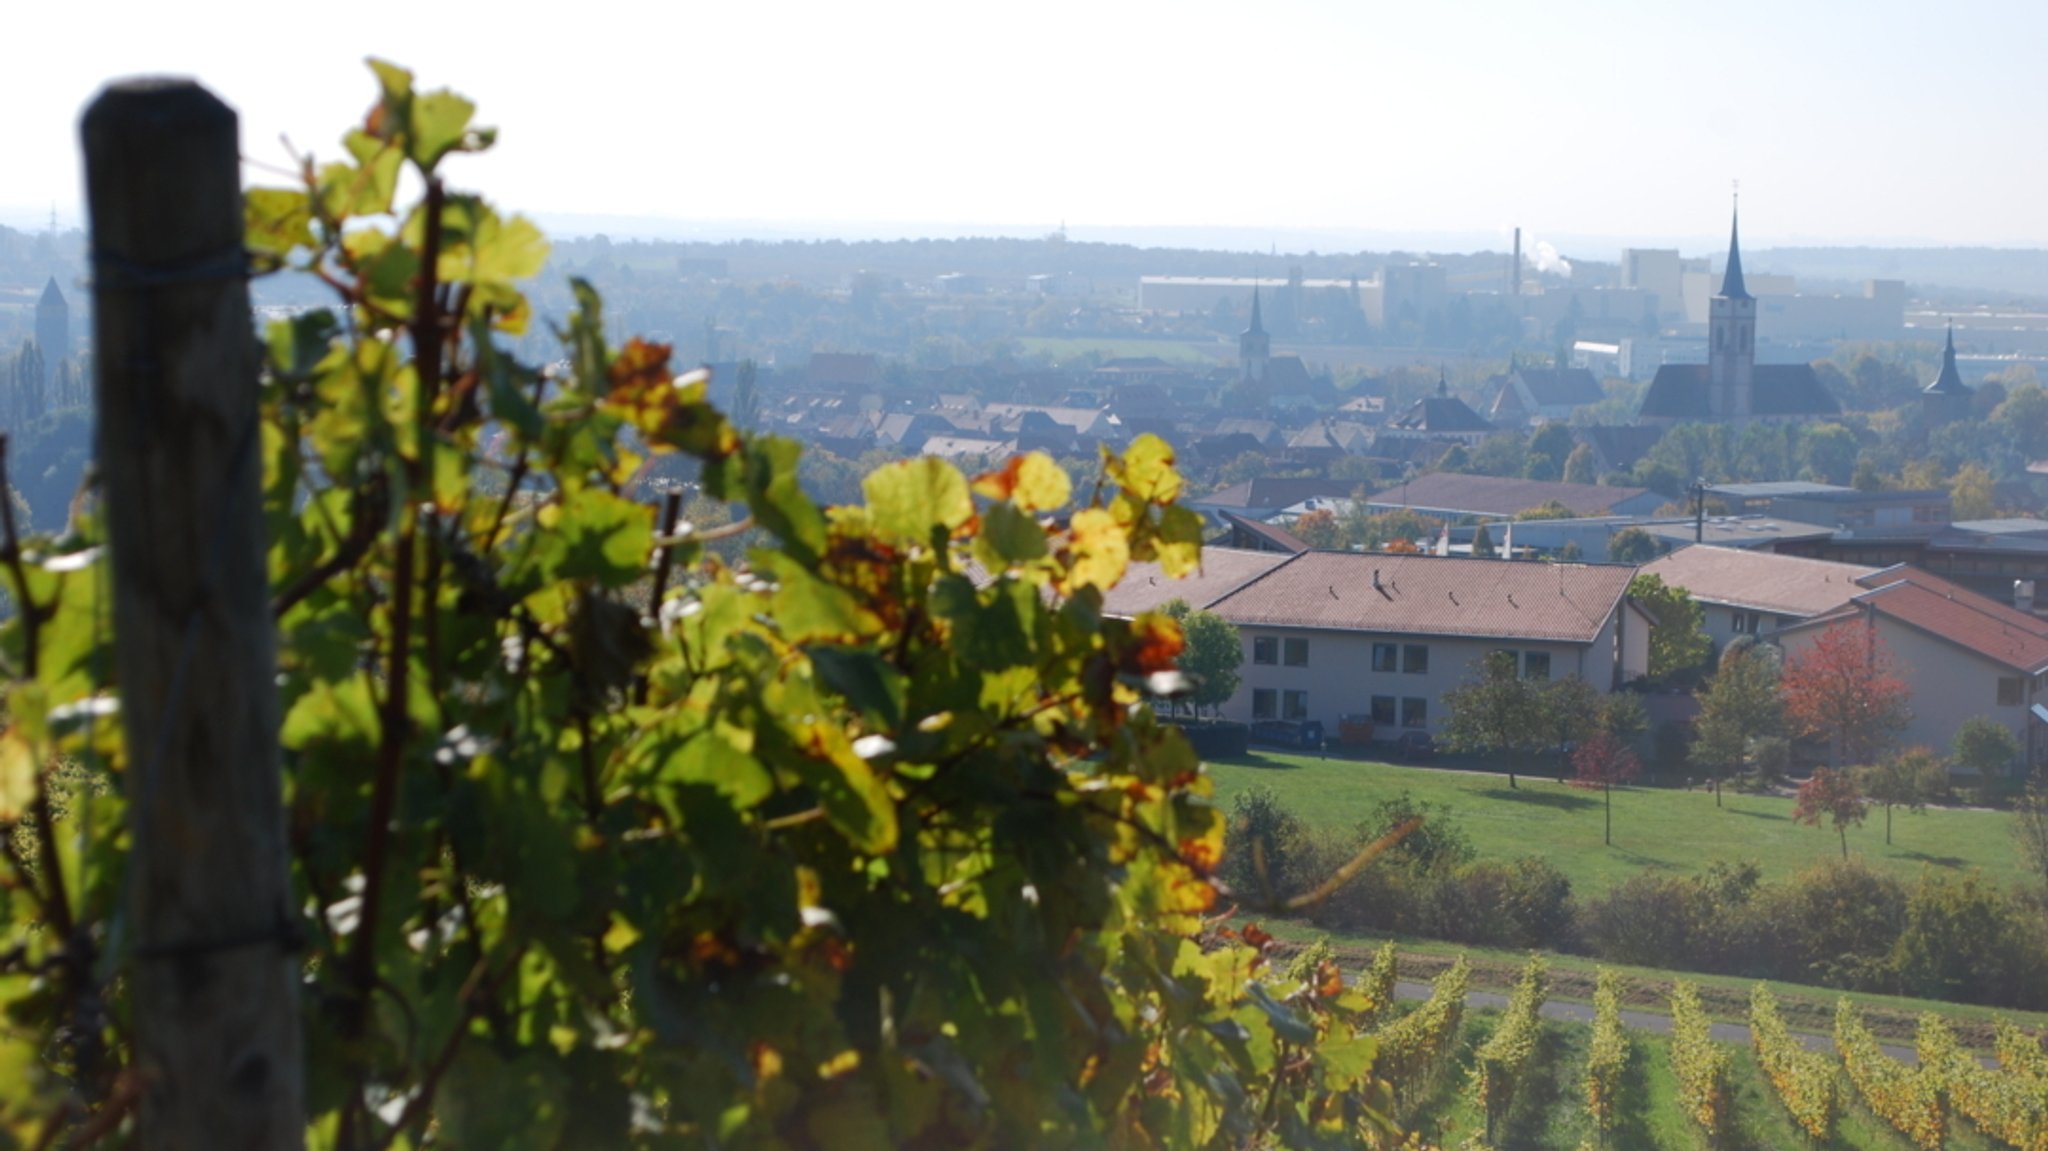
[(213, 972)]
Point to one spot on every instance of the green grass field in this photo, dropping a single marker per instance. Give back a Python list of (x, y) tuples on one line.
[(1659, 830), (1190, 352)]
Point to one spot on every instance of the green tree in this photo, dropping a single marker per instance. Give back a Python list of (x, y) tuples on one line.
[(1738, 707), (1495, 712), (1580, 467), (1985, 746), (2024, 416), (1211, 657), (1911, 778), (1971, 493), (1633, 545), (1827, 453), (1482, 542), (1572, 713), (1958, 941), (2030, 824), (1679, 646)]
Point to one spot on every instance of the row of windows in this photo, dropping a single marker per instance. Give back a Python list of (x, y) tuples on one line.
[(1270, 650), (1413, 657), (1387, 710), (1390, 658), (1413, 712), (1291, 704), (1534, 664)]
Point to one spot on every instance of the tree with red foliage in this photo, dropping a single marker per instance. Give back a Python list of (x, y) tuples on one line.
[(1603, 761), (1836, 795), (1846, 687)]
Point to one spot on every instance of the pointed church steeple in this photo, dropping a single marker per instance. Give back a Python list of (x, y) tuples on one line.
[(1950, 381), (1254, 347), (1731, 283)]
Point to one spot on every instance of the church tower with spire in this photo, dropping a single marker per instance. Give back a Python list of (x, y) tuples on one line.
[(1731, 340), (53, 330), (1254, 347)]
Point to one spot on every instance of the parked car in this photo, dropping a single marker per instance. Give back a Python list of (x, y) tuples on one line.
[(1414, 747), (1307, 734)]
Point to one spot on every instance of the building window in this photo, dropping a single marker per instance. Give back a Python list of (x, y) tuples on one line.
[(1415, 659), (1265, 649), (1536, 665), (1262, 703), (1385, 657), (1414, 712), (1383, 710), (1295, 653), (2010, 688), (1293, 705)]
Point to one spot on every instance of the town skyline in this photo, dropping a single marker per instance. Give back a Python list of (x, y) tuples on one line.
[(1297, 126)]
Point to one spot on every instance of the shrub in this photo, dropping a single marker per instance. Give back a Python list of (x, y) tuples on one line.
[(1834, 923), (1522, 904), (1267, 857)]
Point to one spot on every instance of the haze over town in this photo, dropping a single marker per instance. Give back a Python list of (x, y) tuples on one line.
[(1292, 125)]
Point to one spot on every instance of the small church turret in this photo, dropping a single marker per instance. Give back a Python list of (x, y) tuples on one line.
[(1946, 399), (1254, 347), (1731, 347)]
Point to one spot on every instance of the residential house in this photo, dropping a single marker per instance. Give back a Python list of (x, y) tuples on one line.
[(1960, 654), (1267, 496), (1331, 634), (1748, 592)]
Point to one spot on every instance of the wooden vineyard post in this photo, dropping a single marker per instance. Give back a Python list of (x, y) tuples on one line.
[(211, 936)]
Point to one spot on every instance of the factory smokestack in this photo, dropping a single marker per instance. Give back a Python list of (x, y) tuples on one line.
[(1515, 277)]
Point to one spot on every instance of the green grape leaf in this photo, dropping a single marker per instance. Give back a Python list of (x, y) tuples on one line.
[(908, 499)]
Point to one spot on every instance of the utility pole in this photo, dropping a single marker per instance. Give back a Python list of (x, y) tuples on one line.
[(211, 964)]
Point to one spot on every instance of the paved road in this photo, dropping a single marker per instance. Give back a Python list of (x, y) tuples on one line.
[(1642, 1020)]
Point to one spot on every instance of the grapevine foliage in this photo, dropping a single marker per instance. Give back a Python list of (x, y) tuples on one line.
[(1701, 1065), (1805, 1081), (1911, 1099), (1607, 1056), (1500, 1063), (602, 840)]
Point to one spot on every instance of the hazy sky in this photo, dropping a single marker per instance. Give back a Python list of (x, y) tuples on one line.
[(1876, 121)]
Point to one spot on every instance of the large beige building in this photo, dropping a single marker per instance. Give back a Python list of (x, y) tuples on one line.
[(1334, 634)]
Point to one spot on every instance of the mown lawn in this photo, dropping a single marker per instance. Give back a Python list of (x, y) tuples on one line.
[(1199, 353), (1671, 831)]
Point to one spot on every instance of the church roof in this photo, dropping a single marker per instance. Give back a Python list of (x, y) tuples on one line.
[(1950, 381), (1559, 386), (1679, 392), (1731, 283), (1257, 329), (1441, 414), (52, 296)]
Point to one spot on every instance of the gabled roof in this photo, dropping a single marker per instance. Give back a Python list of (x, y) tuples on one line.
[(843, 368), (1146, 588), (1286, 375), (1761, 581), (1428, 595), (1256, 536), (1619, 446), (1442, 413), (1948, 611), (1950, 381), (1501, 496), (1560, 387), (1679, 392)]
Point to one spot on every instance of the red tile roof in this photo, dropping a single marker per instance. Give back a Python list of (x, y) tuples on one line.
[(1428, 595), (1948, 611)]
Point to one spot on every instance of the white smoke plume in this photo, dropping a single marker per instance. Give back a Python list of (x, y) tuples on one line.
[(1542, 256)]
